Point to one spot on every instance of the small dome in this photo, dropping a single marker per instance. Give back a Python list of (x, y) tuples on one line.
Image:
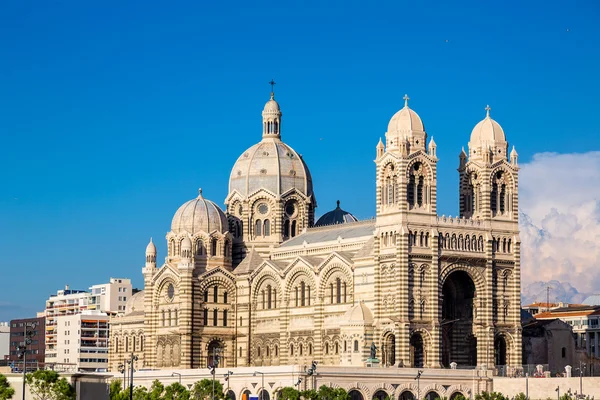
[(151, 248), (405, 120), (135, 303), (487, 131), (272, 107), (199, 215), (336, 216), (186, 243), (358, 313)]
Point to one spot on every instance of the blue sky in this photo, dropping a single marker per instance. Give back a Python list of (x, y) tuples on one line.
[(112, 114)]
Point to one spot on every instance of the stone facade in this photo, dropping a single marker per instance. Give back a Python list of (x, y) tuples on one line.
[(258, 285)]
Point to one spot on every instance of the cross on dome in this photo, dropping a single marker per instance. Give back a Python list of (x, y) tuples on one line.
[(487, 110), (272, 83), (200, 192), (406, 99)]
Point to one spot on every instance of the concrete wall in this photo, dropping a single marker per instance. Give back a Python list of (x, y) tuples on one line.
[(544, 388)]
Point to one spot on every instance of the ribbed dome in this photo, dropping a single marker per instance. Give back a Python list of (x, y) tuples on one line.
[(336, 216), (198, 215), (405, 120), (135, 303), (272, 107), (272, 165), (151, 248), (487, 131), (358, 313)]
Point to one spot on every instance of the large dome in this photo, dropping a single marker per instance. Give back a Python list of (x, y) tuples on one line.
[(135, 304), (360, 313), (199, 215), (336, 216), (271, 165)]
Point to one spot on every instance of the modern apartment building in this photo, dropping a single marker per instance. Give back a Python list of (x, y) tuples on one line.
[(110, 297), (36, 350), (4, 340), (82, 342)]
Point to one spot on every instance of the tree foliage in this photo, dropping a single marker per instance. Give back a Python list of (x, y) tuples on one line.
[(520, 396), (48, 385), (203, 390), (176, 391), (289, 393), (6, 392), (491, 396)]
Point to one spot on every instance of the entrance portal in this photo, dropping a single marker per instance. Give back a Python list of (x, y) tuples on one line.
[(457, 320), (389, 350), (500, 350)]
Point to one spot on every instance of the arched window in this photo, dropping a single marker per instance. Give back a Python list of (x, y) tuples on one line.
[(257, 227), (420, 187), (276, 350), (267, 226), (337, 348), (199, 247), (494, 198), (326, 348), (356, 345), (213, 247), (240, 352), (302, 294), (170, 318), (345, 291), (215, 317), (331, 293), (502, 198), (410, 191), (163, 318), (215, 294), (225, 297), (268, 349), (241, 320), (300, 349), (205, 317), (293, 228), (141, 343), (206, 296), (176, 317), (345, 346), (269, 297), (224, 317), (286, 228), (262, 294), (338, 290), (296, 296), (258, 351), (310, 349), (116, 345), (291, 349)]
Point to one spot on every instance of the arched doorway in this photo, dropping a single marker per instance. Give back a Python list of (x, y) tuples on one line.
[(230, 395), (215, 356), (355, 395), (263, 395), (454, 395), (417, 351), (457, 320), (432, 395), (406, 395), (380, 395), (389, 350), (500, 350), (246, 394)]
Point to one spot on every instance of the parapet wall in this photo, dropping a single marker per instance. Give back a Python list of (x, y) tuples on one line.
[(545, 388)]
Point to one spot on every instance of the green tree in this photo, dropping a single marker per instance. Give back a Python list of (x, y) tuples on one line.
[(6, 392), (328, 393), (491, 396), (115, 390), (140, 393), (176, 391), (156, 390), (460, 397), (48, 385), (520, 396), (203, 390), (310, 394), (289, 393)]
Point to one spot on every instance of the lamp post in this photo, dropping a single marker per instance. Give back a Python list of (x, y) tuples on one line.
[(298, 383), (312, 371), (558, 392), (122, 370), (213, 369), (226, 376), (178, 374), (418, 378), (22, 350), (131, 362), (527, 385), (262, 391)]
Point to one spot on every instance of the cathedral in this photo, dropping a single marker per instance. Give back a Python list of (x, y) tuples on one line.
[(260, 283)]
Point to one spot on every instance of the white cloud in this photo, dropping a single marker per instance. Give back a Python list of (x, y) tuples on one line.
[(559, 200)]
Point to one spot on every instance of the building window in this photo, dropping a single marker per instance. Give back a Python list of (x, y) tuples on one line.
[(240, 321), (224, 317), (356, 345), (291, 349), (215, 294), (215, 317), (205, 317), (206, 296), (225, 297), (240, 351)]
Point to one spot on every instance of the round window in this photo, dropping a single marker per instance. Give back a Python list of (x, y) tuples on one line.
[(170, 291), (263, 208), (290, 209)]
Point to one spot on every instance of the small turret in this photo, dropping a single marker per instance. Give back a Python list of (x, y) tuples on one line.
[(432, 148), (380, 149), (514, 157), (463, 159), (151, 255), (186, 248)]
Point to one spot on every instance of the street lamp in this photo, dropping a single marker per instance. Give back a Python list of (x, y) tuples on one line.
[(178, 374), (213, 369), (226, 376), (262, 391), (22, 350), (299, 382), (122, 370), (581, 368), (557, 390), (418, 378), (131, 362)]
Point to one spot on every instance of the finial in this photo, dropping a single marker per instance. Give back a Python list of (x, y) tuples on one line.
[(150, 239), (272, 83), (487, 110), (406, 99), (200, 192), (338, 204)]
